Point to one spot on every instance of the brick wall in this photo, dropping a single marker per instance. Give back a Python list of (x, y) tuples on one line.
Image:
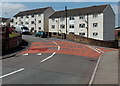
[(11, 43)]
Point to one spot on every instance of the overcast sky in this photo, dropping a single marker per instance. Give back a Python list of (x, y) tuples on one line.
[(12, 7)]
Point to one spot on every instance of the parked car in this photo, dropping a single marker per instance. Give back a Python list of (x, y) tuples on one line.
[(22, 29), (41, 34)]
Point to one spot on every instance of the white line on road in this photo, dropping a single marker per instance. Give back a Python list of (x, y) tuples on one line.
[(98, 62), (26, 54), (12, 73), (95, 49), (48, 57), (52, 54), (39, 54), (99, 50), (95, 70), (57, 45)]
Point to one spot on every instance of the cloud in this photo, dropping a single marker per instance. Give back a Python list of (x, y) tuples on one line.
[(9, 9), (60, 0)]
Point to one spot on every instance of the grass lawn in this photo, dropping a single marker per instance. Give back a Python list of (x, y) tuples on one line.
[(13, 35)]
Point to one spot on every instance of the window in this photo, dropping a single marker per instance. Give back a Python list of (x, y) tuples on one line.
[(95, 15), (39, 28), (39, 21), (82, 17), (32, 28), (54, 33), (62, 26), (81, 25), (39, 14), (21, 16), (16, 22), (82, 34), (21, 22), (71, 26), (32, 16), (71, 18), (95, 24), (95, 34), (27, 23), (27, 16), (32, 22), (53, 19), (53, 26), (62, 19)]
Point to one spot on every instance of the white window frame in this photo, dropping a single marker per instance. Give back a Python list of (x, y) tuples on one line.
[(26, 22), (82, 17), (62, 19), (27, 16), (32, 16), (95, 15), (53, 19), (71, 18), (71, 26), (95, 24), (39, 28), (32, 22), (82, 26), (39, 21), (52, 26), (82, 34), (95, 34), (62, 26)]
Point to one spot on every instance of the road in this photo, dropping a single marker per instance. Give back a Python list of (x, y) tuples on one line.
[(51, 61)]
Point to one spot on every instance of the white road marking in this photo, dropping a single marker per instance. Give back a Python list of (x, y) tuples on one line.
[(95, 49), (26, 54), (48, 57), (57, 45), (52, 54), (39, 54), (98, 62), (12, 73), (99, 50), (95, 70)]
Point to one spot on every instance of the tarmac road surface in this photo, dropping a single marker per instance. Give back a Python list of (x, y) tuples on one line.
[(51, 61)]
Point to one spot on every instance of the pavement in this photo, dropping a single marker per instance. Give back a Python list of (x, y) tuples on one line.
[(107, 72), (56, 61)]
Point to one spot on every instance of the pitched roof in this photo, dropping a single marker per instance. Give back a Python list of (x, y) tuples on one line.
[(3, 19), (31, 12), (78, 11)]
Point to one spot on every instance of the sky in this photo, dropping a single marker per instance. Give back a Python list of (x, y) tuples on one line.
[(9, 9)]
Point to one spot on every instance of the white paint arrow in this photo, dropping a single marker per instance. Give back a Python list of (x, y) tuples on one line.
[(26, 54), (39, 54)]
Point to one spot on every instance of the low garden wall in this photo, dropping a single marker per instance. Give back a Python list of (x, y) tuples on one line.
[(11, 43), (90, 41)]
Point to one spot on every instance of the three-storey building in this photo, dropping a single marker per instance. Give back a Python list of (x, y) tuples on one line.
[(97, 22), (36, 19)]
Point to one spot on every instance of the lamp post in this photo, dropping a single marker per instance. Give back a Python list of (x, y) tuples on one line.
[(66, 21), (87, 25), (35, 24), (58, 25)]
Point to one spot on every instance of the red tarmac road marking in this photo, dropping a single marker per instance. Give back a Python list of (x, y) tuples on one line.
[(69, 48)]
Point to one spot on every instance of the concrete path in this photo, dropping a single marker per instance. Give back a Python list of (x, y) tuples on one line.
[(107, 72)]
